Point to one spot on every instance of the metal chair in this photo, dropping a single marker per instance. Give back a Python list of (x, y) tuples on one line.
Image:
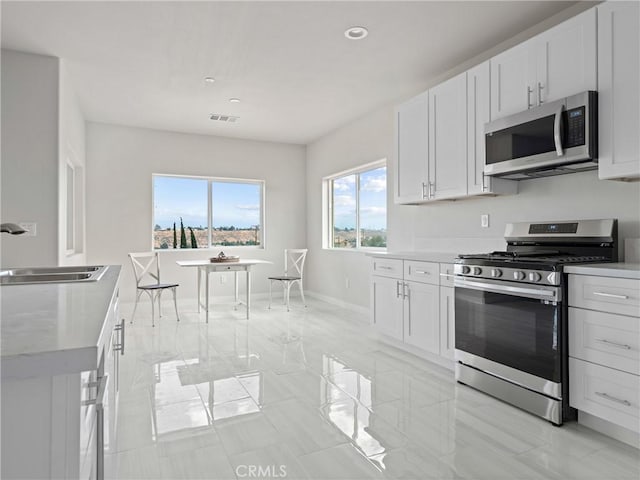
[(148, 264), (293, 273)]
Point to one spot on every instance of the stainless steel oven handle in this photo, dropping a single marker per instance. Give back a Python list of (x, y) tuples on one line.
[(557, 134), (537, 293)]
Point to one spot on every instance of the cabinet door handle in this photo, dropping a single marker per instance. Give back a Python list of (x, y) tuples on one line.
[(398, 289), (540, 88), (405, 290), (432, 189), (529, 92), (383, 267), (614, 399), (448, 339), (424, 188), (614, 344), (119, 347), (611, 295), (422, 272)]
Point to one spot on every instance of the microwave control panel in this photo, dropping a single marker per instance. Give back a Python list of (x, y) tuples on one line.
[(575, 127)]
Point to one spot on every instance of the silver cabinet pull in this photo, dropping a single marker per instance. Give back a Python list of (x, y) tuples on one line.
[(540, 88), (398, 289), (422, 272), (557, 134), (529, 92), (432, 189), (383, 267), (614, 344), (611, 295), (405, 290), (424, 188), (119, 347), (447, 275), (614, 399), (101, 390)]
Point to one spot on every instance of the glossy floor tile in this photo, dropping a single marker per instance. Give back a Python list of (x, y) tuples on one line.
[(313, 394)]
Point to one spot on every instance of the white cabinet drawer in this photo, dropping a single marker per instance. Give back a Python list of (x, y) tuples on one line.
[(604, 338), (387, 267), (605, 393), (425, 272), (614, 295), (446, 274)]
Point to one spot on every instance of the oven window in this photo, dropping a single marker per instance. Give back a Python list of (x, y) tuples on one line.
[(519, 332), (520, 141)]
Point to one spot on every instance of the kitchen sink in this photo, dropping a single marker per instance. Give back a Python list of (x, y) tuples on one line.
[(31, 275)]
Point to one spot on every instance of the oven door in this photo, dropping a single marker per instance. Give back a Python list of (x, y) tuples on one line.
[(510, 330)]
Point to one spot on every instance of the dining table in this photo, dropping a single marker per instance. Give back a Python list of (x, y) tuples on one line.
[(207, 267)]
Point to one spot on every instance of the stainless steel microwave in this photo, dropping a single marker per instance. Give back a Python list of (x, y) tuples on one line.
[(552, 139)]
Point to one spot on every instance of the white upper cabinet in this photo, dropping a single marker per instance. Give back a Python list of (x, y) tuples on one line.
[(566, 58), (618, 93), (448, 139), (478, 114), (512, 78), (555, 64), (411, 150)]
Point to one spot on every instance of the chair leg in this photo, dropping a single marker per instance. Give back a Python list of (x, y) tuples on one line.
[(288, 294), (159, 303), (135, 307), (153, 307), (304, 302), (175, 303)]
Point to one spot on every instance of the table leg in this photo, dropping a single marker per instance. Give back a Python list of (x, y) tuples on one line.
[(235, 306), (199, 275), (206, 296), (248, 289)]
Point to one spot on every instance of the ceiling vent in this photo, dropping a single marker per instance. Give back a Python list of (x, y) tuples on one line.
[(218, 117)]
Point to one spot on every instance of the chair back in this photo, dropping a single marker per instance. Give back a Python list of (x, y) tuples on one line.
[(146, 264), (294, 261)]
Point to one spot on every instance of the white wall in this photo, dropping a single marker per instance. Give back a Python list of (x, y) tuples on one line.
[(30, 157), (72, 149), (452, 226), (120, 164)]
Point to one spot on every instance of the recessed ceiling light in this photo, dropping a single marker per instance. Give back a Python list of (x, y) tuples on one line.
[(234, 100), (356, 33), (209, 80)]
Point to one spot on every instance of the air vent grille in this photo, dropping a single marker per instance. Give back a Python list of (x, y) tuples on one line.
[(219, 117)]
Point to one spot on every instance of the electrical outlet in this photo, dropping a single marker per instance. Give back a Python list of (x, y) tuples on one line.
[(30, 227), (223, 279), (484, 220)]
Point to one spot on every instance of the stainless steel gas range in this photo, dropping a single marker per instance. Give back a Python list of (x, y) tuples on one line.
[(511, 312)]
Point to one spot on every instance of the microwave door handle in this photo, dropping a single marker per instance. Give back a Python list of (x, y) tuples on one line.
[(557, 131)]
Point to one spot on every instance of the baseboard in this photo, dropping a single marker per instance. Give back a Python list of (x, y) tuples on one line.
[(611, 430), (340, 303)]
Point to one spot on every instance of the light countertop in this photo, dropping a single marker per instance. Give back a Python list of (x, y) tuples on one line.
[(618, 270), (438, 257), (56, 328)]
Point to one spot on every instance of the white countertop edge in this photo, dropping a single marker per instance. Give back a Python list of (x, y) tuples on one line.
[(49, 364), (616, 270), (436, 257)]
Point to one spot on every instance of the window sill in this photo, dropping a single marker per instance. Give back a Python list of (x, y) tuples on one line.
[(355, 250), (212, 249)]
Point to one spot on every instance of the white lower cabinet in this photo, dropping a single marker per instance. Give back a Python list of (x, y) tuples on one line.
[(414, 305), (604, 349)]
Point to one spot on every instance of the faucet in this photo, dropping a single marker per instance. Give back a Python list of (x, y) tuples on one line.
[(12, 228)]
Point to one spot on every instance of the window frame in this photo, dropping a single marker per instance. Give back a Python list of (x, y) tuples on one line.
[(210, 181), (328, 230)]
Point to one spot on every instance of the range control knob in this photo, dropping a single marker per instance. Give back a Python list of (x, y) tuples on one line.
[(496, 272), (466, 270), (534, 277), (477, 270), (518, 275)]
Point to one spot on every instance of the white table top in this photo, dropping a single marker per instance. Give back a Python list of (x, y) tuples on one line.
[(208, 263)]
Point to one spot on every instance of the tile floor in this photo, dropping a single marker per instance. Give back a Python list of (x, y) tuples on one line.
[(313, 394)]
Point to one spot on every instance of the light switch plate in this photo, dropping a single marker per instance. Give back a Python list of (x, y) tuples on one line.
[(484, 220), (30, 227)]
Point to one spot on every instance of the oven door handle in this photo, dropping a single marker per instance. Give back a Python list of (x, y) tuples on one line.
[(551, 294)]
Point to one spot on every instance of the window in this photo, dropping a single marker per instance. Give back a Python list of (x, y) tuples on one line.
[(356, 207), (197, 212)]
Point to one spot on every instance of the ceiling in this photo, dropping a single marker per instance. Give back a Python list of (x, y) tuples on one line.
[(298, 77)]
